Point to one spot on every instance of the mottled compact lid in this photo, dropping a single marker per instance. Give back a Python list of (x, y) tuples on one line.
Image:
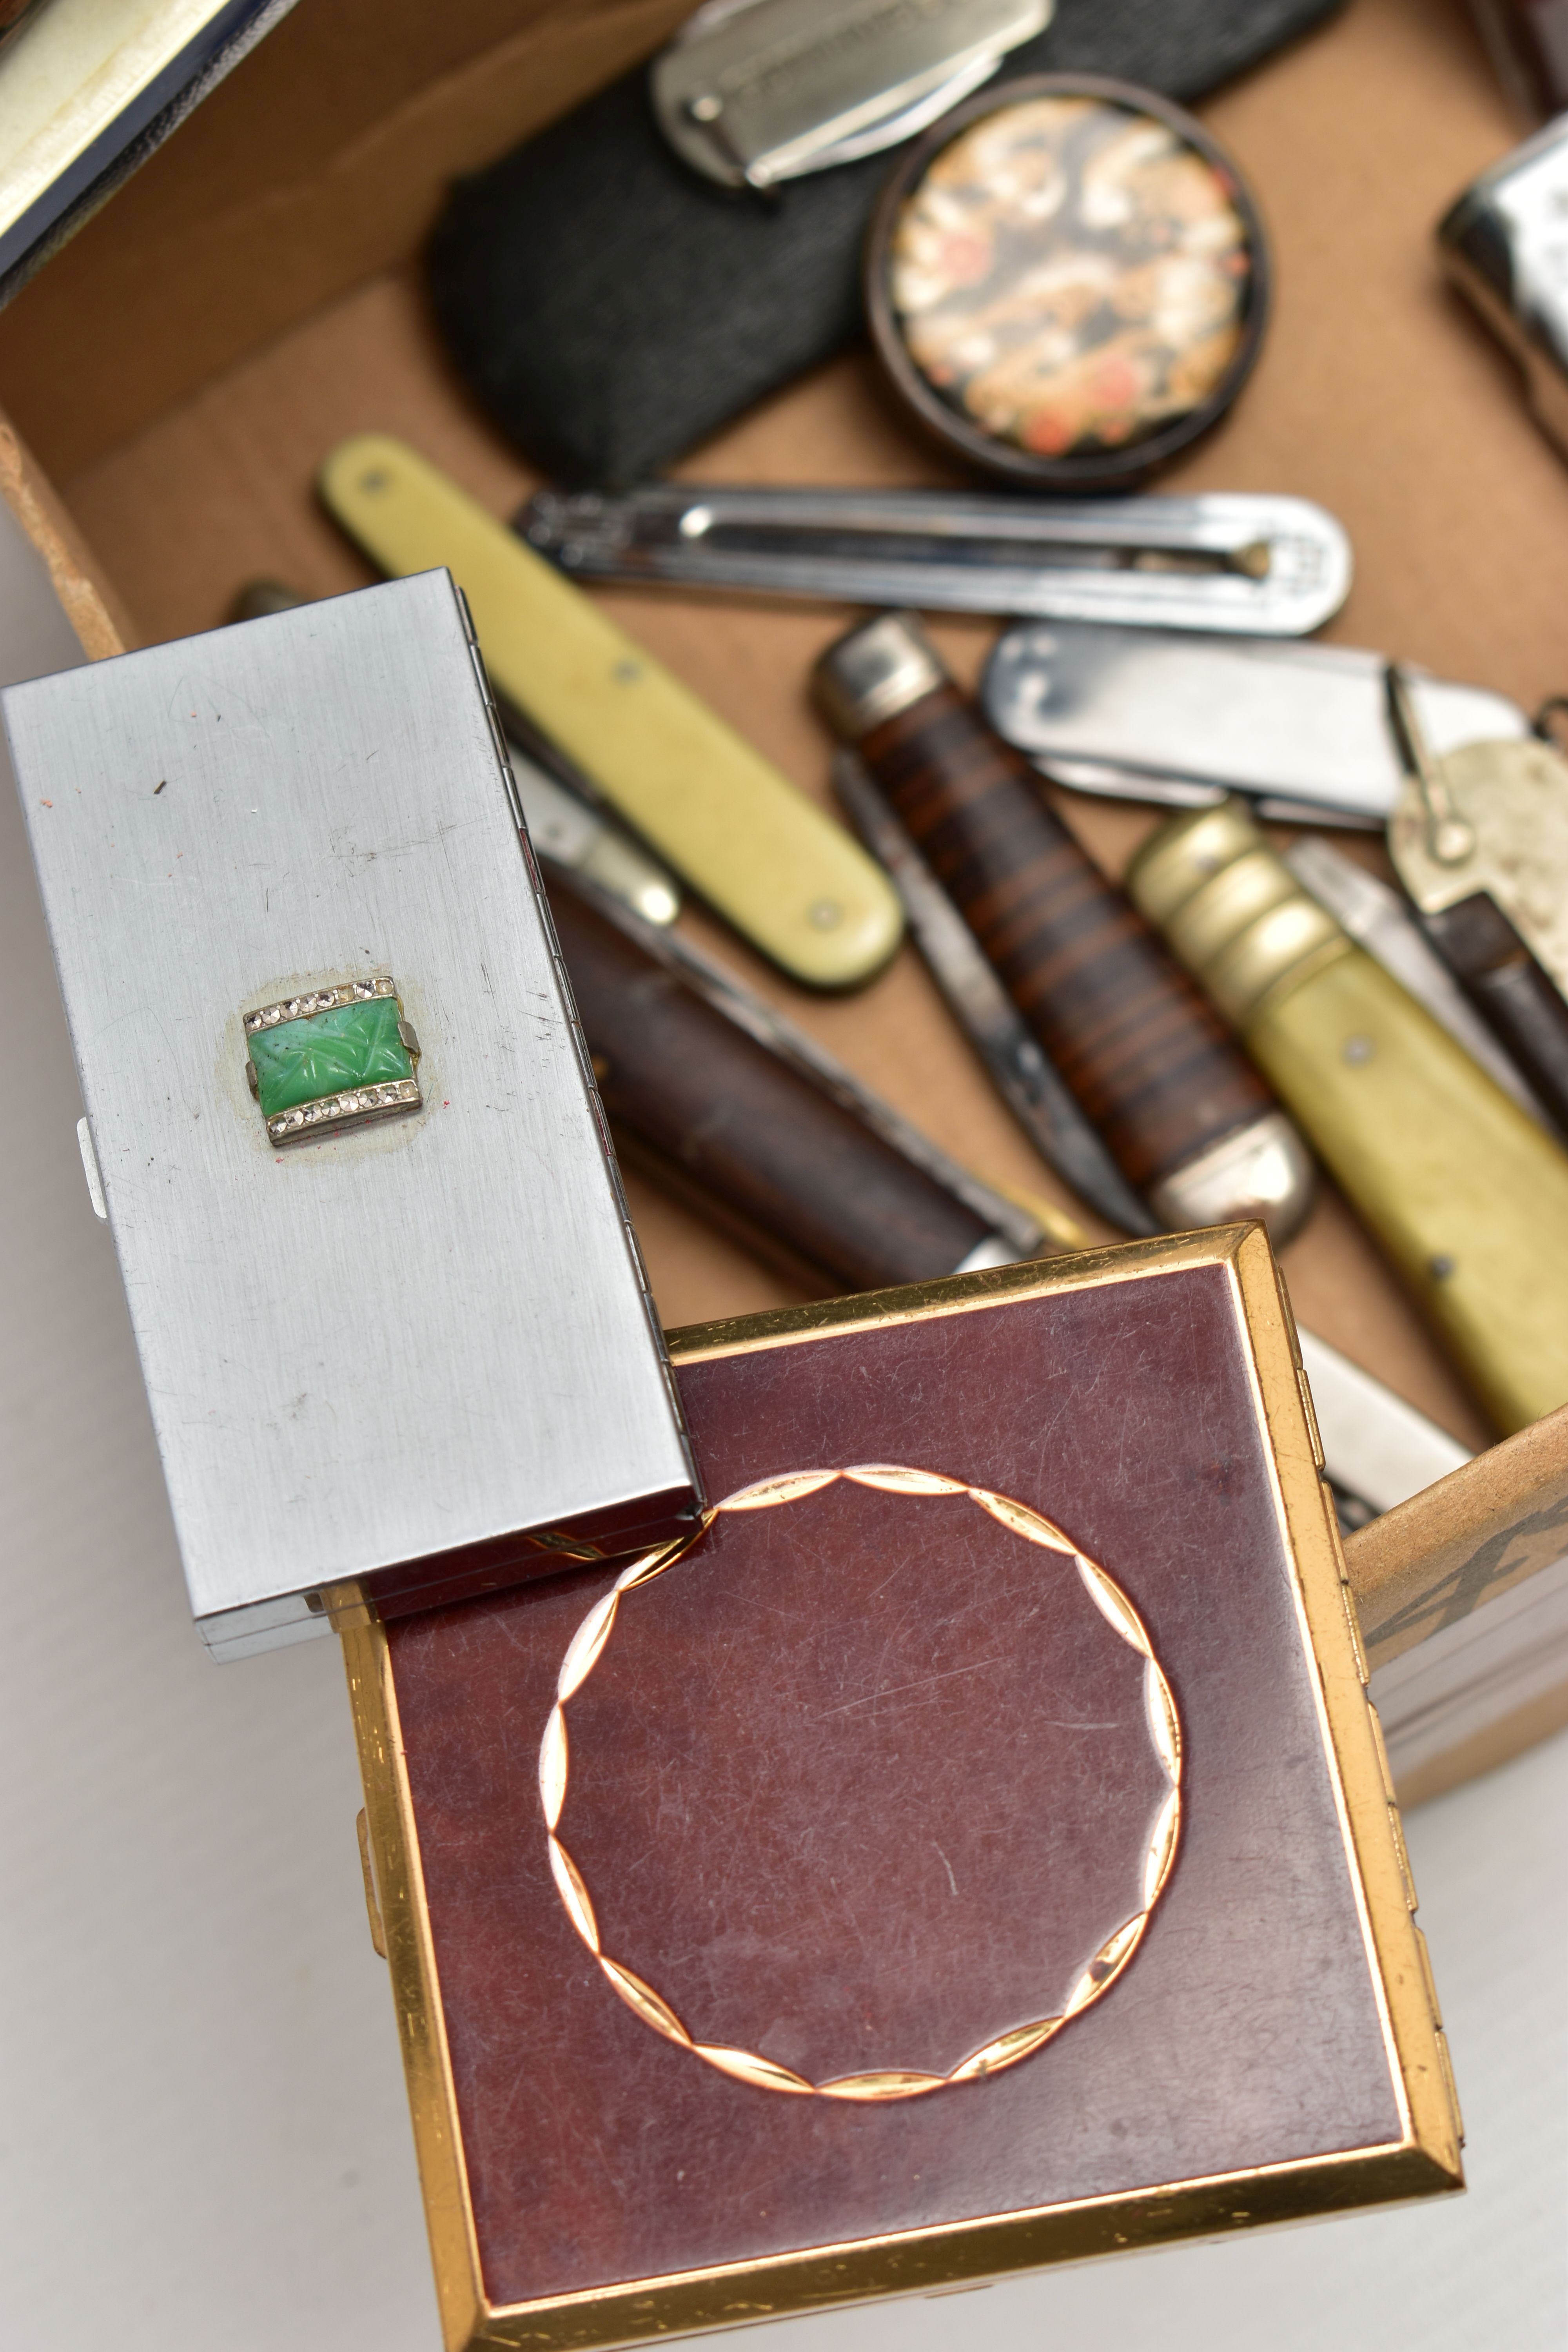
[(971, 1852), (1068, 281)]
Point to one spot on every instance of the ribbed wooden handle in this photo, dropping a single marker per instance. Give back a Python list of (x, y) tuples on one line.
[(717, 1108), (1519, 1001), (1143, 1053)]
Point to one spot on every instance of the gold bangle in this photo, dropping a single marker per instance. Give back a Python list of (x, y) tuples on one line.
[(587, 1646)]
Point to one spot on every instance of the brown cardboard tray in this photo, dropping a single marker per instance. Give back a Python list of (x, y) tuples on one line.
[(253, 295)]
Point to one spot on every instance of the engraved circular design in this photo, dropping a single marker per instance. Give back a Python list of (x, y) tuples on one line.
[(587, 1646), (1067, 280)]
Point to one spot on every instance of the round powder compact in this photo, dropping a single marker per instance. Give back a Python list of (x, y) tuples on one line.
[(1067, 281)]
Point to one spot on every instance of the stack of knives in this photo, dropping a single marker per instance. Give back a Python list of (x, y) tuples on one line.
[(1155, 654)]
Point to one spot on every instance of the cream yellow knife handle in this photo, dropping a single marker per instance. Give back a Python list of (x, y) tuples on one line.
[(785, 874)]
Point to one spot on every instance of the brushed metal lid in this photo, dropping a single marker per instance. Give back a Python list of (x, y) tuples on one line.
[(416, 1354)]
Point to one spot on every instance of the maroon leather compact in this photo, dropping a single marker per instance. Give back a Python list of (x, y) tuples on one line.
[(973, 1851)]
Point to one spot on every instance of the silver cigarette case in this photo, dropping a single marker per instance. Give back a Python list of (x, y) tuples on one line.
[(395, 1329)]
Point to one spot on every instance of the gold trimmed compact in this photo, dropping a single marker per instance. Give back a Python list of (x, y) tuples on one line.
[(972, 1849), (1067, 281)]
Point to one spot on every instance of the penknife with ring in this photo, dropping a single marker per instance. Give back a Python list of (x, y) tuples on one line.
[(1251, 564)]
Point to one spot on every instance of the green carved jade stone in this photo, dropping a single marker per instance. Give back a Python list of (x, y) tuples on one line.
[(355, 1046)]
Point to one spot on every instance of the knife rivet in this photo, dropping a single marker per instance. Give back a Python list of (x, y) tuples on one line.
[(706, 108), (1358, 1051), (826, 915)]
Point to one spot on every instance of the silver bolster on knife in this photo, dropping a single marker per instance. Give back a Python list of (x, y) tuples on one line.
[(1251, 563)]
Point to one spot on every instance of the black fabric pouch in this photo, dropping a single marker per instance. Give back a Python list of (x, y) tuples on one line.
[(609, 308)]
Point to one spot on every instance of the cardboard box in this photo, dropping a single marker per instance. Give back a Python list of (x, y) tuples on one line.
[(252, 296), (257, 286)]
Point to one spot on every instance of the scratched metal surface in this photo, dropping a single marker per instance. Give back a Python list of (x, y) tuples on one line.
[(361, 1350)]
